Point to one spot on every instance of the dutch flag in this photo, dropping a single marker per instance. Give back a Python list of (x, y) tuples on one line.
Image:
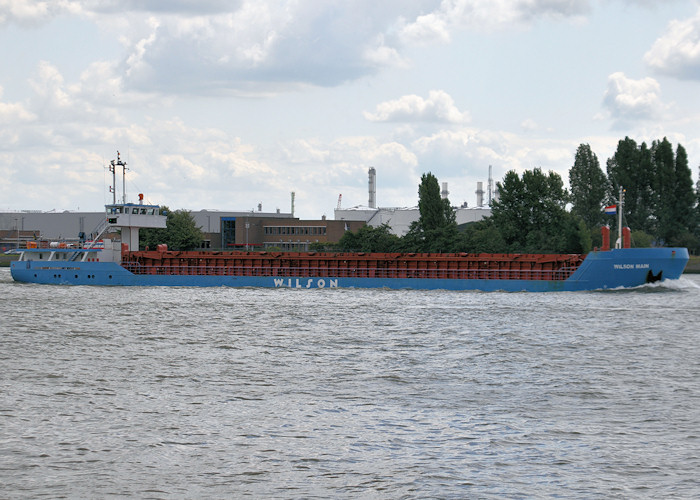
[(611, 210)]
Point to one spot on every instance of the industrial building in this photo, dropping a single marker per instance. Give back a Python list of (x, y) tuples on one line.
[(222, 230), (242, 230), (399, 220)]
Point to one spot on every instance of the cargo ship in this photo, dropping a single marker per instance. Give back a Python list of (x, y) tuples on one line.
[(107, 262), (120, 263), (602, 269)]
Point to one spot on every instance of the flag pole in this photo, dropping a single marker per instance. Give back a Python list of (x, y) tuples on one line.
[(620, 202)]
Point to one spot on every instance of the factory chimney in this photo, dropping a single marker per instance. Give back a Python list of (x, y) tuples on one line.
[(372, 187), (490, 185), (444, 193), (479, 194)]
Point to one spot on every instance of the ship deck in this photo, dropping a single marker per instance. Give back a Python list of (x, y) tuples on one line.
[(355, 265)]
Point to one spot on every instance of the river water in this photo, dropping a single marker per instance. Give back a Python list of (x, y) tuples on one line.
[(223, 393)]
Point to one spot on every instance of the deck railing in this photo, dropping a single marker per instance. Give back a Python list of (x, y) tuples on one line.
[(311, 272)]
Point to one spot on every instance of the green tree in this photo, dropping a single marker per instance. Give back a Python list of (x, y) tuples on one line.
[(435, 211), (370, 239), (530, 214), (181, 232), (659, 197), (436, 228), (632, 168), (576, 235), (482, 237), (664, 189), (510, 213), (696, 231), (314, 246), (588, 187), (683, 200)]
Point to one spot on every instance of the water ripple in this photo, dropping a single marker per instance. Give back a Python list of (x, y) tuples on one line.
[(179, 392)]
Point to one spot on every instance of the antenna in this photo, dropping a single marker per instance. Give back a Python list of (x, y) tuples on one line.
[(123, 164), (113, 189), (620, 203)]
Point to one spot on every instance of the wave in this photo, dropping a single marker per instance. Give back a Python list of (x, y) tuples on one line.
[(682, 284)]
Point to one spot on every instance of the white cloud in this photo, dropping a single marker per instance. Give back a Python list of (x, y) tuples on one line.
[(318, 171), (182, 6), (532, 10), (32, 12), (191, 151), (529, 125), (53, 100), (97, 98), (463, 156), (220, 45), (134, 60), (216, 45), (170, 160), (343, 160), (438, 107), (13, 112), (381, 55), (632, 100), (258, 46), (468, 146), (677, 52), (486, 15), (428, 28)]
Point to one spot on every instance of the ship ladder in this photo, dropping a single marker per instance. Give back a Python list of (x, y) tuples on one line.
[(99, 231)]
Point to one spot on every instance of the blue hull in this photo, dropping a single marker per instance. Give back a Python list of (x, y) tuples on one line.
[(617, 268)]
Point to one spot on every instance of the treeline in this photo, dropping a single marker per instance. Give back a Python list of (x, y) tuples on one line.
[(536, 214), (181, 232)]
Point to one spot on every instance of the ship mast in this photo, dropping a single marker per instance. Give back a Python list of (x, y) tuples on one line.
[(113, 187), (112, 168), (620, 203), (123, 164)]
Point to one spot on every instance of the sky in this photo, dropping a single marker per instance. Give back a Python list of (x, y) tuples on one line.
[(228, 104)]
